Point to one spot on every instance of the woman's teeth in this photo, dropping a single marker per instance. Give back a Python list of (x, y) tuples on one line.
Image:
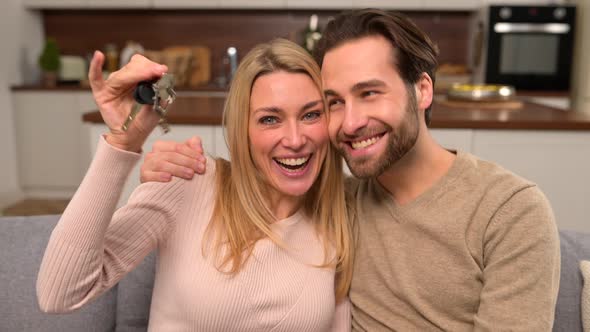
[(291, 164), (364, 143)]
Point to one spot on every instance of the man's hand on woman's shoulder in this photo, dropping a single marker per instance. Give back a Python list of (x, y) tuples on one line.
[(170, 158)]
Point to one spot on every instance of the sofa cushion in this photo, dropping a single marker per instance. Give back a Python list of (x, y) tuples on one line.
[(22, 246), (575, 247), (134, 297), (585, 268)]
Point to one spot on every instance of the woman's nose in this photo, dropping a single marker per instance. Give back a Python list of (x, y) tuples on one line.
[(294, 138)]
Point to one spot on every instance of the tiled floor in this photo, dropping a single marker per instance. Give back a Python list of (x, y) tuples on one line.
[(33, 207)]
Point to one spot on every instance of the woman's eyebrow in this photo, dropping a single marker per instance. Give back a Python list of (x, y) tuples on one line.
[(271, 109), (311, 104)]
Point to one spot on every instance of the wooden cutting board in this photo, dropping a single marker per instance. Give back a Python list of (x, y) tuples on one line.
[(201, 66)]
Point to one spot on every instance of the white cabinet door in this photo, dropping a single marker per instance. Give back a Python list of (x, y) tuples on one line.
[(389, 4), (186, 3), (324, 4), (558, 161), (271, 4), (220, 146), (48, 130), (120, 4), (178, 133), (454, 139), (38, 4)]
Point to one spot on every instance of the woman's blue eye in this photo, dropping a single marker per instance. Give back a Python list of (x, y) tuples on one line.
[(267, 120), (312, 115)]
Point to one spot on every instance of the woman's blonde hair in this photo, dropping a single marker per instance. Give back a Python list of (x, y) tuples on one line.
[(241, 215)]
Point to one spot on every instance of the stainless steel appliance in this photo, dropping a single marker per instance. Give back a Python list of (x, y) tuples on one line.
[(528, 47)]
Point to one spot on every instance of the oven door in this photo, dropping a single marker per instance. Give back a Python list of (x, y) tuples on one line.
[(530, 56)]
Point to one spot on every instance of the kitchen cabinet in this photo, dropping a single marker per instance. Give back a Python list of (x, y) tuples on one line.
[(210, 137), (558, 161), (119, 4), (51, 142), (276, 4), (314, 4), (41, 4), (188, 4), (389, 4), (454, 139), (452, 4), (69, 4)]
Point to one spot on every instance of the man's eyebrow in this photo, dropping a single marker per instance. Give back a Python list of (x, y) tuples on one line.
[(375, 83), (331, 93)]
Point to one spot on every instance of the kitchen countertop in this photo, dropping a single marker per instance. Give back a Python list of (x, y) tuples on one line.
[(208, 110)]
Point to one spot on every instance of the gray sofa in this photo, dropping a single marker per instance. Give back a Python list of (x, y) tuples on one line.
[(125, 308)]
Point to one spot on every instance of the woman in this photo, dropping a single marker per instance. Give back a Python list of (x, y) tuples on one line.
[(261, 243)]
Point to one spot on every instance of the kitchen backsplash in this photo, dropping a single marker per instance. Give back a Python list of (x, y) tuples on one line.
[(79, 32)]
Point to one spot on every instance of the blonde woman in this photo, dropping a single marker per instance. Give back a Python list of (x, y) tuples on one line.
[(259, 244)]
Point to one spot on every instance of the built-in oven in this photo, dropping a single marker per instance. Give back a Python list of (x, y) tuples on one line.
[(529, 47)]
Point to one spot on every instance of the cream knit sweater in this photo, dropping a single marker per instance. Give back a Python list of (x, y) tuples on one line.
[(93, 247)]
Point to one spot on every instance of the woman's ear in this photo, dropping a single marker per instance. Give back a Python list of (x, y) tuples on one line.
[(424, 91)]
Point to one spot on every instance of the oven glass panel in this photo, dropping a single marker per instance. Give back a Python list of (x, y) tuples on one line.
[(529, 54)]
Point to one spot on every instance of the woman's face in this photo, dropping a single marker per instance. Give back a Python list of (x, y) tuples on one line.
[(288, 131)]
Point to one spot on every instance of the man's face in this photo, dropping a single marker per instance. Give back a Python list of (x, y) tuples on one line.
[(374, 121)]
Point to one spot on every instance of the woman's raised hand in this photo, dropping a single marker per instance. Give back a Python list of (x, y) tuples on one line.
[(114, 98)]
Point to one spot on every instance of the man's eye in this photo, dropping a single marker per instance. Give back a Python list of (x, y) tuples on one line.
[(312, 115), (334, 103), (368, 93), (268, 120)]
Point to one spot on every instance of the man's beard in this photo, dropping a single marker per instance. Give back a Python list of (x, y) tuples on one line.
[(400, 141)]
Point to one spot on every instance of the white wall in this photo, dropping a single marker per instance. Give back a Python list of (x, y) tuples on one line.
[(21, 37)]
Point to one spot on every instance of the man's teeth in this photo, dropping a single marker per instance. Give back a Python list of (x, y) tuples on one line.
[(293, 161), (365, 143)]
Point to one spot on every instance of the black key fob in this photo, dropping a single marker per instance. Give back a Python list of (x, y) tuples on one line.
[(144, 93)]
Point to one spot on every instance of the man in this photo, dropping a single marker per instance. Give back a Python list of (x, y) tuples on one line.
[(446, 241)]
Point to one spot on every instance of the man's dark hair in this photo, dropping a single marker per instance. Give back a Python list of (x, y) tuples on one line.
[(413, 52)]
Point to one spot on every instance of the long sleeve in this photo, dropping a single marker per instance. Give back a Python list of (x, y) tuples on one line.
[(93, 247), (342, 319), (521, 266)]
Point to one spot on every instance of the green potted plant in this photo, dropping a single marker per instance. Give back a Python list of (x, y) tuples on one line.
[(49, 62)]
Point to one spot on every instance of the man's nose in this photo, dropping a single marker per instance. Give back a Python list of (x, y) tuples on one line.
[(294, 138), (354, 119)]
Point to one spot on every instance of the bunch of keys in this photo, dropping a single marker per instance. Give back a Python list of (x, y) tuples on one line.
[(153, 93)]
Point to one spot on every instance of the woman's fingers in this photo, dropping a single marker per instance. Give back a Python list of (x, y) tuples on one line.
[(95, 71), (138, 69)]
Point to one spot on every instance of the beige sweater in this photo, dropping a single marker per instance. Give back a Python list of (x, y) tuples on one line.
[(479, 251), (93, 247)]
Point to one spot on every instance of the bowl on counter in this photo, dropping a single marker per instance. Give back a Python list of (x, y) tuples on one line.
[(481, 92)]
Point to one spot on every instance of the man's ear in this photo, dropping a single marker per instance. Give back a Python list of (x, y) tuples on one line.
[(424, 91)]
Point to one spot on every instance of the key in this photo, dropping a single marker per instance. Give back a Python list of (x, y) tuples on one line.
[(164, 90), (150, 92), (136, 108), (144, 94)]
